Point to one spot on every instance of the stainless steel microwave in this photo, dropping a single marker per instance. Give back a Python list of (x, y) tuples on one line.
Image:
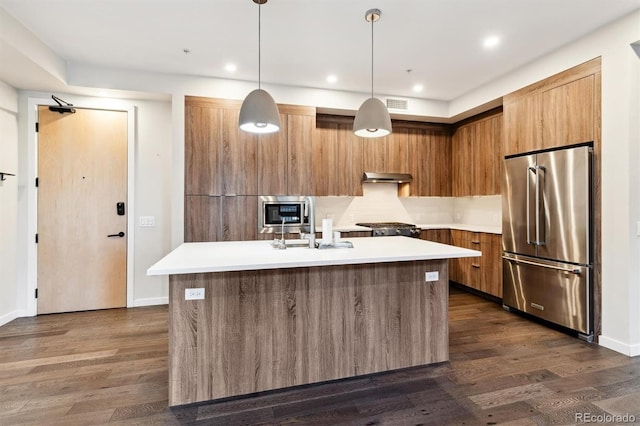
[(295, 211)]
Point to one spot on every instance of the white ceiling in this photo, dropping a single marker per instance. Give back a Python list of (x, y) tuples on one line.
[(303, 41)]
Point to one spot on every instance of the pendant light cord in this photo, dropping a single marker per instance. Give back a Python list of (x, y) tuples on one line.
[(259, 43), (372, 21)]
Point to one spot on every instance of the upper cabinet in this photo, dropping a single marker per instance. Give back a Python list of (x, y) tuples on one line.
[(310, 155), (337, 159), (429, 158), (477, 156), (387, 154), (558, 111)]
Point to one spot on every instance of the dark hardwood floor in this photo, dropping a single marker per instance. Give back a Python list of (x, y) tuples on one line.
[(111, 367)]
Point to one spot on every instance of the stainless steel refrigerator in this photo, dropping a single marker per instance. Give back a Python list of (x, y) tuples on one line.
[(546, 236)]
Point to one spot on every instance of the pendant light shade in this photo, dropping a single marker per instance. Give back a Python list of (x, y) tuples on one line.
[(372, 119), (259, 112)]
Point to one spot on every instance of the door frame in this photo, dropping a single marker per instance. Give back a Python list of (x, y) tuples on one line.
[(32, 194)]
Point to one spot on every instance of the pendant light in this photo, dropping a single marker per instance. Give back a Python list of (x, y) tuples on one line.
[(372, 119), (259, 113)]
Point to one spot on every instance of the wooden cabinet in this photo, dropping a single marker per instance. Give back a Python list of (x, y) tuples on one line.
[(272, 165), (349, 165), (477, 157), (299, 150), (220, 218), (479, 273), (354, 234), (523, 125), (429, 159), (558, 111), (203, 153), (463, 162), (388, 154), (568, 113), (438, 235)]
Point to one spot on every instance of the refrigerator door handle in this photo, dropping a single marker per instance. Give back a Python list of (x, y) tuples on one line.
[(538, 241), (528, 206), (575, 270)]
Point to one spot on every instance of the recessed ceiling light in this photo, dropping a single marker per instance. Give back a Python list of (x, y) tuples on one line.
[(332, 78), (491, 41), (231, 67), (418, 88)]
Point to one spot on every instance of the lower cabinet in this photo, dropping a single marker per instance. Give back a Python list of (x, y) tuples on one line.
[(216, 218), (479, 273), (437, 235)]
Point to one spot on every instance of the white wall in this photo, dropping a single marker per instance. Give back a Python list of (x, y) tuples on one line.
[(8, 204)]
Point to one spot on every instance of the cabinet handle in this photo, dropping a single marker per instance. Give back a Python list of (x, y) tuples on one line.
[(475, 265), (475, 242)]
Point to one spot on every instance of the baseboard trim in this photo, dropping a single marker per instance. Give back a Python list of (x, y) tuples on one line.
[(618, 346), (151, 301), (7, 318)]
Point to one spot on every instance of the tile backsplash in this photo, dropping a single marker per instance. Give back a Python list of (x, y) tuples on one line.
[(380, 203)]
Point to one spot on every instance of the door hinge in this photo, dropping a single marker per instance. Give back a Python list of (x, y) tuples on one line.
[(37, 182), (36, 293), (37, 127), (36, 238)]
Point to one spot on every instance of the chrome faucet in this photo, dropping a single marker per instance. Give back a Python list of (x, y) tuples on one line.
[(280, 244), (311, 214)]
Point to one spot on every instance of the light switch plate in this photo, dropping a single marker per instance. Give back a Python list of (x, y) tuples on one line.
[(147, 221), (431, 276), (193, 293)]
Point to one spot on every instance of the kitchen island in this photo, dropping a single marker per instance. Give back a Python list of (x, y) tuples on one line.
[(271, 319)]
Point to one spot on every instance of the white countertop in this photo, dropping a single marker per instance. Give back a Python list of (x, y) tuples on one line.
[(255, 255)]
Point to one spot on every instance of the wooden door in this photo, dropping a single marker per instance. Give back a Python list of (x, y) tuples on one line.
[(82, 171)]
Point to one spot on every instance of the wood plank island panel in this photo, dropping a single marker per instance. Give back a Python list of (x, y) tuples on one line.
[(269, 329)]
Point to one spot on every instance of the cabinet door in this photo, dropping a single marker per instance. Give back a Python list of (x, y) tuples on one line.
[(300, 139), (388, 154), (203, 150), (429, 159), (324, 152), (272, 165), (492, 264), (463, 162), (487, 151), (239, 156), (239, 218), (437, 235), (523, 124), (202, 218), (349, 161), (568, 113)]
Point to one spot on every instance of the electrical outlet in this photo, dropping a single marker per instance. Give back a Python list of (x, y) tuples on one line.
[(431, 276), (193, 293)]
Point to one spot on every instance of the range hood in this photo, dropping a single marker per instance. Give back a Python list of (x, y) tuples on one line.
[(371, 177)]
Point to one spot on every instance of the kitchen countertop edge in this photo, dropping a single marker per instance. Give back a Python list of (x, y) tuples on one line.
[(227, 256)]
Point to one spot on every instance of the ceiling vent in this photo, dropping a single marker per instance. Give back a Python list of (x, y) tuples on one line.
[(401, 104)]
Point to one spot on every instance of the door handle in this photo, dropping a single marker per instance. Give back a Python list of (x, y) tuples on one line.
[(576, 270), (119, 234)]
